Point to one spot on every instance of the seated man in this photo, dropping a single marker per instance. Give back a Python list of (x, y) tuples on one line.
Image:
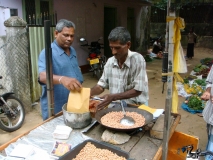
[(158, 49), (151, 54), (124, 74)]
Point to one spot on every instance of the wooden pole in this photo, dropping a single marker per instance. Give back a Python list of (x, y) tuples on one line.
[(169, 47)]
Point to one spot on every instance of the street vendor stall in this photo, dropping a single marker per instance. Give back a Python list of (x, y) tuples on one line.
[(193, 87), (42, 142), (140, 145)]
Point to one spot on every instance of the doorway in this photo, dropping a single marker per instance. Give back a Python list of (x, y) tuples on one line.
[(110, 21), (131, 26)]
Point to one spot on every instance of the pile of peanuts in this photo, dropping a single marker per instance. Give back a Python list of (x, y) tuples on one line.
[(112, 119), (90, 152)]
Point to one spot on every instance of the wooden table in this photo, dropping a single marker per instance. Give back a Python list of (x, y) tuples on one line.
[(140, 146)]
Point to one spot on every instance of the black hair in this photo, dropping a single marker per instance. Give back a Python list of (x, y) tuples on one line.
[(64, 23), (119, 34)]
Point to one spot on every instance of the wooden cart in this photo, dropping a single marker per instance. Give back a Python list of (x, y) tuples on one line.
[(140, 145)]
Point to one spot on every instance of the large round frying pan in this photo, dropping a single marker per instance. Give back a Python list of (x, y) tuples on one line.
[(147, 115)]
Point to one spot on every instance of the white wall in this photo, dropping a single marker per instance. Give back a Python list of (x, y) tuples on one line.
[(4, 15), (5, 5), (88, 16), (88, 25), (13, 4)]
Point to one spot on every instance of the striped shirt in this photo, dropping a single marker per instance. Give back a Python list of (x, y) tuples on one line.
[(208, 110), (132, 75)]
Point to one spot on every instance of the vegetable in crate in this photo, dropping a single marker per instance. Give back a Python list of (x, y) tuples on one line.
[(185, 80), (198, 68), (201, 82), (195, 103), (193, 89), (207, 61)]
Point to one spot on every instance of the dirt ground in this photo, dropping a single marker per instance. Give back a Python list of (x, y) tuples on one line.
[(191, 124)]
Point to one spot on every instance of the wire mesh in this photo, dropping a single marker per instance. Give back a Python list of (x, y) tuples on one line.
[(14, 67)]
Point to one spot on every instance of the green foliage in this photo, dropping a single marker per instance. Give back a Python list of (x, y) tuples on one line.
[(207, 61), (186, 80), (195, 103), (147, 58), (161, 5), (201, 82), (178, 4), (199, 68)]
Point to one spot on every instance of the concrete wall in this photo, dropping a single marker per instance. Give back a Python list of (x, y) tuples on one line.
[(89, 19)]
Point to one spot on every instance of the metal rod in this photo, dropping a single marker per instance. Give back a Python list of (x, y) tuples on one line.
[(49, 74), (56, 17), (167, 29), (7, 105), (168, 105)]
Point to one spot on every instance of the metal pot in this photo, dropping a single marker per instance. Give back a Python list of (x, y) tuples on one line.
[(148, 116), (76, 120)]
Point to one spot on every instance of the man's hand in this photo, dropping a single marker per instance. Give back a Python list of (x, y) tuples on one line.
[(107, 100), (205, 96), (71, 83)]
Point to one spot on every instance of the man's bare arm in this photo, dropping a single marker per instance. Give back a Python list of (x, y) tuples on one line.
[(96, 90), (43, 78), (108, 98), (69, 83)]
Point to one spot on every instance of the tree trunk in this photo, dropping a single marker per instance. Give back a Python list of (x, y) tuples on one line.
[(144, 29)]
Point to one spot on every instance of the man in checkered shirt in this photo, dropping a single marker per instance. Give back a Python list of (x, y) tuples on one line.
[(124, 73)]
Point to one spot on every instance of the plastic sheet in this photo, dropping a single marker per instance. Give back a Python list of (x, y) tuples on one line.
[(186, 108), (41, 138), (181, 90)]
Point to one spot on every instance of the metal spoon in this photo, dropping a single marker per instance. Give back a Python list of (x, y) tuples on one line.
[(100, 99), (126, 120)]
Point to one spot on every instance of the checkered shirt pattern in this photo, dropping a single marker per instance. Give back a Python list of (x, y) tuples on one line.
[(132, 75)]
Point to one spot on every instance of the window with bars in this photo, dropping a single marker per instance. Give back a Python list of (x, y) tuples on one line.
[(30, 10), (44, 7), (13, 12), (33, 18)]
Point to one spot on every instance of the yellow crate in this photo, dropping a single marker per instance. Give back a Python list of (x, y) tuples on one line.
[(177, 141), (94, 61)]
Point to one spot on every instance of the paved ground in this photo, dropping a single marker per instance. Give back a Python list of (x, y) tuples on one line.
[(191, 124)]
